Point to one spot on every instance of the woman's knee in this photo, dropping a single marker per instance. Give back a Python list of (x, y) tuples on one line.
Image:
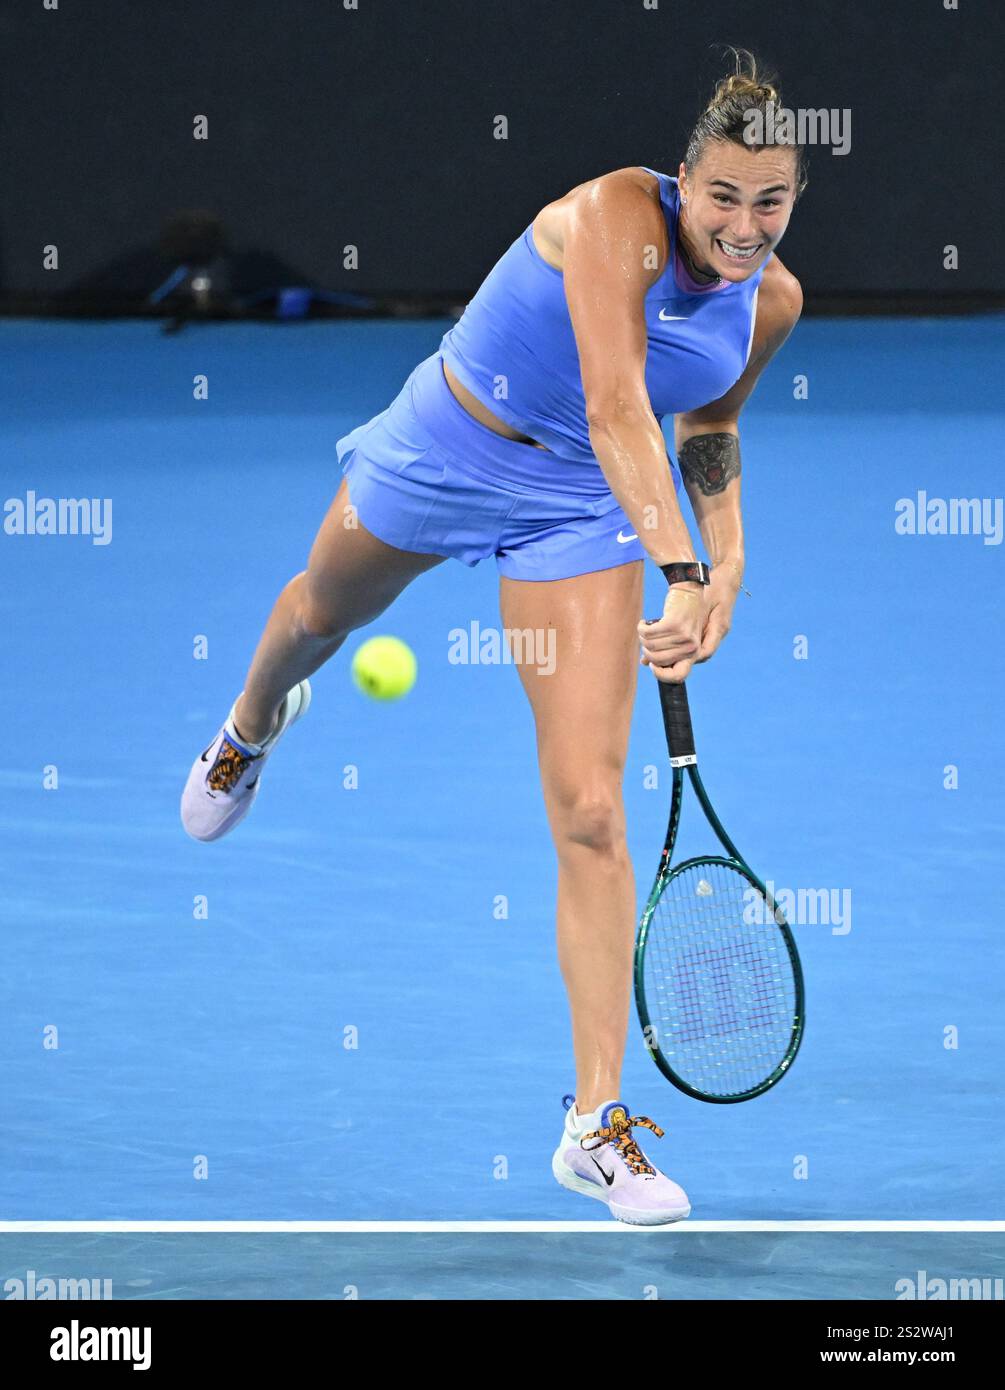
[(327, 613), (591, 817), (320, 621)]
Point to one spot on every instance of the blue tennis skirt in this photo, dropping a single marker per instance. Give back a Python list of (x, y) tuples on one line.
[(424, 475)]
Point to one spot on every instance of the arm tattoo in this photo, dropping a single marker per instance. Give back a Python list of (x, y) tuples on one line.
[(710, 461)]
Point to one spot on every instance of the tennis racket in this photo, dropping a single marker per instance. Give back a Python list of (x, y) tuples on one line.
[(718, 984)]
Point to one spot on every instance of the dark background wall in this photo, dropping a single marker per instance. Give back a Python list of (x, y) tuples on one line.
[(374, 127)]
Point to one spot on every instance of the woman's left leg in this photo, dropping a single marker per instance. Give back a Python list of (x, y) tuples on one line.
[(582, 710)]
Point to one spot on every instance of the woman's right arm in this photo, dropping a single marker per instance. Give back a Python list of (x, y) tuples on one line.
[(615, 240), (614, 246)]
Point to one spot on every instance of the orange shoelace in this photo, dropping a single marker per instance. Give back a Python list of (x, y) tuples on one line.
[(620, 1136), (226, 771)]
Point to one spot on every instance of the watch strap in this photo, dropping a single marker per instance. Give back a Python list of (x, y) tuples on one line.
[(686, 572)]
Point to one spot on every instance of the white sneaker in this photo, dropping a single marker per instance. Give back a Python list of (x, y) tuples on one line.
[(599, 1157), (223, 783)]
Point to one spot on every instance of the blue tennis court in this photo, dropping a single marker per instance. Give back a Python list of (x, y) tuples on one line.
[(327, 1017)]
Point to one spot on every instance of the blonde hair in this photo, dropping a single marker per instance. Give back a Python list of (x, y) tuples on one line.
[(747, 88)]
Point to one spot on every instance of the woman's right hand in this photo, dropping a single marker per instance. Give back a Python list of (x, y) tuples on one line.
[(670, 644)]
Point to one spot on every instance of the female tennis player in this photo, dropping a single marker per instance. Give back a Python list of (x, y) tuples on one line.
[(533, 434)]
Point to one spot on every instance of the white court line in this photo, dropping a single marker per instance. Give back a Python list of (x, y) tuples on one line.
[(476, 1227)]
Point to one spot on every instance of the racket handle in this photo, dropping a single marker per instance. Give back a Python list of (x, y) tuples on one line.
[(677, 723)]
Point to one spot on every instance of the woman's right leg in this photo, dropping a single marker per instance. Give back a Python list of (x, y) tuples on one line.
[(351, 577)]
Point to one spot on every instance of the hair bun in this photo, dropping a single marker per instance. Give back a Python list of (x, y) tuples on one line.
[(743, 85), (746, 82)]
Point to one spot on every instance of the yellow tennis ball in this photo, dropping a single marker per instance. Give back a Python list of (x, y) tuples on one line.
[(384, 668)]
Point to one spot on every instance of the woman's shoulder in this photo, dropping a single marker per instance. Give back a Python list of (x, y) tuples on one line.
[(626, 200), (632, 186), (629, 183), (779, 301), (780, 289)]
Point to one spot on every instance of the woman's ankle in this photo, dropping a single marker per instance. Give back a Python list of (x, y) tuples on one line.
[(250, 728)]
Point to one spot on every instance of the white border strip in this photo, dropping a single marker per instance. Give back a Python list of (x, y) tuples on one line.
[(348, 1228)]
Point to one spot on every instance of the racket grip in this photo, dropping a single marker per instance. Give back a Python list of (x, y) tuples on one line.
[(677, 723)]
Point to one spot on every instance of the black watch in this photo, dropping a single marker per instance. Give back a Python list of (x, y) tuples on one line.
[(687, 572)]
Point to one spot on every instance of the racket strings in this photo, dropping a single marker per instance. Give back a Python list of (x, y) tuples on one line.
[(719, 983)]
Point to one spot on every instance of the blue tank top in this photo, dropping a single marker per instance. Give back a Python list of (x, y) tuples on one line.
[(514, 348)]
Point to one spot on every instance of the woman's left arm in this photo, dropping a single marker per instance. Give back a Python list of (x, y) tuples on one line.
[(708, 452)]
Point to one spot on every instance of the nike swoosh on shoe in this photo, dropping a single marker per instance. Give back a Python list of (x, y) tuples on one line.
[(607, 1177)]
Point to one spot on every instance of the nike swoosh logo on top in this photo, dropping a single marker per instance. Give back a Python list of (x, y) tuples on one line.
[(623, 540), (607, 1177), (667, 317)]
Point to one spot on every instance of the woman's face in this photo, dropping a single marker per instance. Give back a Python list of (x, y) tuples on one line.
[(736, 207)]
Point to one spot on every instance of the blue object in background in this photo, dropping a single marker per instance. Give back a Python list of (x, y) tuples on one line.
[(293, 303)]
